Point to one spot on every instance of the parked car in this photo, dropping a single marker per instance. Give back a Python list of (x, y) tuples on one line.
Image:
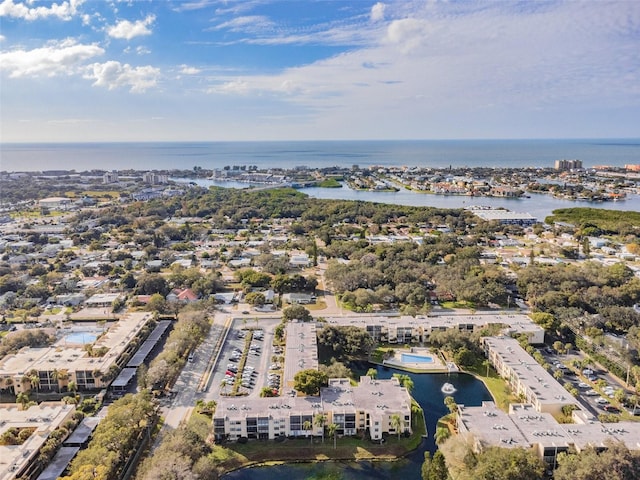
[(611, 409), (602, 401)]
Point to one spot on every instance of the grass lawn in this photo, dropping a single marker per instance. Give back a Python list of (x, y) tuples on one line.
[(460, 304), (320, 305), (496, 385)]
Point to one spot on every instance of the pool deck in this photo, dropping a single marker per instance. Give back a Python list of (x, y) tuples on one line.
[(436, 366)]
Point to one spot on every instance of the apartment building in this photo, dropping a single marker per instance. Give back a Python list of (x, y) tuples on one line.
[(369, 407)]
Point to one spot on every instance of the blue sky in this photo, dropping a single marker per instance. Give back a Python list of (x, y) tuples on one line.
[(93, 70)]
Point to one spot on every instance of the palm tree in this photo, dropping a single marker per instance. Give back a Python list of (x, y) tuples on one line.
[(396, 423), (487, 364), (451, 404), (23, 399), (373, 373), (97, 374), (54, 378), (307, 426), (223, 387), (333, 430), (442, 433), (63, 376), (318, 421), (72, 386), (34, 380)]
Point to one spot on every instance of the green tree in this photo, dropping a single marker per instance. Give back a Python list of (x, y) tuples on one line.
[(296, 312), (307, 426), (309, 381), (332, 430), (438, 469), (405, 381), (614, 463), (23, 399), (319, 421), (425, 470), (396, 423), (255, 298), (451, 404), (151, 283), (495, 463), (373, 373)]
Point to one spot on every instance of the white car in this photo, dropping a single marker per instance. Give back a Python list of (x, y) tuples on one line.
[(583, 385), (602, 401)]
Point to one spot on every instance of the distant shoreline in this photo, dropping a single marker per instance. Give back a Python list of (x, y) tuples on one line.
[(518, 153)]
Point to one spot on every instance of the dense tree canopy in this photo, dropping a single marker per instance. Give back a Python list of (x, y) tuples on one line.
[(343, 342), (615, 463), (309, 381)]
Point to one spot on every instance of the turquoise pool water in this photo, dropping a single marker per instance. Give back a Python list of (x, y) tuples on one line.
[(410, 358), (80, 337)]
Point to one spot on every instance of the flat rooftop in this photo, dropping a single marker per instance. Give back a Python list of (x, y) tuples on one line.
[(516, 322), (530, 373), (44, 418), (75, 358), (492, 426), (301, 351)]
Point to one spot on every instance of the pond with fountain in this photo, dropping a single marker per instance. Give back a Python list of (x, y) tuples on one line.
[(429, 391)]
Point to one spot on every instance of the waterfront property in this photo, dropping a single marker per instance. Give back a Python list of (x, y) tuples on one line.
[(532, 424), (525, 427), (411, 330), (365, 408), (418, 359), (526, 377)]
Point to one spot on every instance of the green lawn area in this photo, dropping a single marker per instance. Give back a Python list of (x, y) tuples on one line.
[(459, 304), (319, 305), (496, 385)]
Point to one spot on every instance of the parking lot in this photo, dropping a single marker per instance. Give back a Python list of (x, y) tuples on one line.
[(596, 387), (247, 361)]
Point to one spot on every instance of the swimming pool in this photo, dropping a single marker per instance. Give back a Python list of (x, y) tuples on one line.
[(410, 358), (80, 337)]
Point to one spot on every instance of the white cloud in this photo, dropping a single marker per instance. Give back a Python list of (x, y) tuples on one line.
[(57, 58), (468, 61), (2, 38), (142, 50), (377, 12), (114, 75), (407, 33), (128, 30), (187, 70), (64, 11), (251, 23)]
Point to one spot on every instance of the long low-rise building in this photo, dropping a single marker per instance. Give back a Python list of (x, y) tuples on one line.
[(525, 427), (407, 329), (41, 420), (526, 377), (62, 363), (369, 407)]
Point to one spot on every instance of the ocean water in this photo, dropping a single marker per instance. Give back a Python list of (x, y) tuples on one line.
[(210, 155)]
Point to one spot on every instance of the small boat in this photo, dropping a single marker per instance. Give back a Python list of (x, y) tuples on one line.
[(448, 389)]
